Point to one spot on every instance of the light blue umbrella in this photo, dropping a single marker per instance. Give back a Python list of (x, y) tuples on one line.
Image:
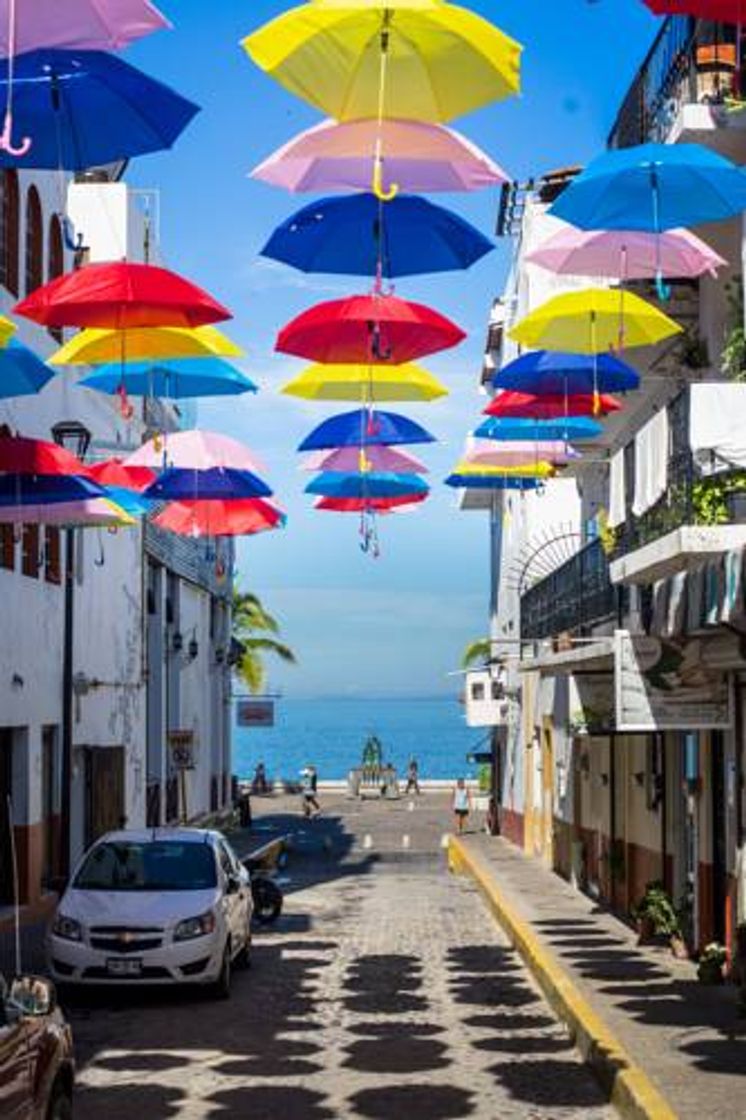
[(373, 484), (177, 380), (550, 372), (21, 372), (566, 428)]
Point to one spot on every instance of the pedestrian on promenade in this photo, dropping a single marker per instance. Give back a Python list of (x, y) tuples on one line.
[(461, 804), (260, 784), (413, 776), (309, 786)]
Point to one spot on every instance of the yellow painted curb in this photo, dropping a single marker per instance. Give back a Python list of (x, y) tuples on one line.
[(628, 1086)]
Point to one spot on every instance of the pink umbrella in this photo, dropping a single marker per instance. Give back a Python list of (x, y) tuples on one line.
[(417, 156), (80, 24), (195, 450), (517, 453), (85, 514), (626, 255), (380, 459)]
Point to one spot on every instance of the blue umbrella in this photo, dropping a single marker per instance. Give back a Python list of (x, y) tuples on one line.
[(361, 428), (492, 482), (21, 372), (185, 377), (86, 108), (351, 235), (567, 428), (653, 187), (545, 371), (178, 483), (376, 484), (45, 489)]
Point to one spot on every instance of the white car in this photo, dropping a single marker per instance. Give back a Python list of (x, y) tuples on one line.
[(154, 906)]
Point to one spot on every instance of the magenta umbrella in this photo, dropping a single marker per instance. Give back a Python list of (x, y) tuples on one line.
[(195, 450), (335, 156), (626, 254), (379, 458), (518, 453)]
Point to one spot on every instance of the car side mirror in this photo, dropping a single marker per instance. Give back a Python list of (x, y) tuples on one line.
[(33, 995)]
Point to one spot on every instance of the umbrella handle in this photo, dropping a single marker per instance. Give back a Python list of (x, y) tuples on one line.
[(6, 139), (377, 182), (663, 290)]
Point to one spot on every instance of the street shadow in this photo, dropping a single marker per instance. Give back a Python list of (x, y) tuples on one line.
[(402, 1054), (151, 1062), (383, 983), (525, 1044), (272, 1102), (402, 1102), (550, 1082), (391, 1029), (509, 1021), (482, 959), (122, 1102)]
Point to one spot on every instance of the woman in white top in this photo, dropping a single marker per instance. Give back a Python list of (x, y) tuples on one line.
[(461, 804)]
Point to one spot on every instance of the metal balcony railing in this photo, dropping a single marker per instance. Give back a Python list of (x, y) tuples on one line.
[(575, 597)]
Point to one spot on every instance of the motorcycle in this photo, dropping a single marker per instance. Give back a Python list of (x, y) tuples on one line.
[(266, 896)]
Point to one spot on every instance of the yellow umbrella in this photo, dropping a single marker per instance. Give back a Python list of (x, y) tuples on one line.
[(94, 347), (407, 382), (592, 321), (419, 59), (7, 329), (528, 470)]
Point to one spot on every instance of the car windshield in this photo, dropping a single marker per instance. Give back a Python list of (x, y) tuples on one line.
[(157, 865)]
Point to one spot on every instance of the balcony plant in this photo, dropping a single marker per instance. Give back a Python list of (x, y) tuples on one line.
[(710, 964)]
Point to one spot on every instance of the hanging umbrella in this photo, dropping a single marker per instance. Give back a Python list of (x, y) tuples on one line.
[(369, 505), (195, 449), (332, 484), (362, 428), (121, 295), (537, 469), (116, 473), (177, 483), (88, 513), (356, 236), (474, 481), (177, 380), (517, 453), (593, 320), (420, 157), (106, 25), (21, 372), (374, 328), (378, 459), (21, 455), (234, 518), (566, 428), (719, 11), (96, 347), (408, 382), (512, 403), (23, 489), (547, 371), (626, 254)]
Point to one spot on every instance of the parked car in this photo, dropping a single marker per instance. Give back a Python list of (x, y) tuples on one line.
[(36, 1052), (157, 906)]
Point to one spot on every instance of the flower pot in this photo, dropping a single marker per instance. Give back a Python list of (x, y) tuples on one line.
[(710, 972), (645, 930), (679, 948)]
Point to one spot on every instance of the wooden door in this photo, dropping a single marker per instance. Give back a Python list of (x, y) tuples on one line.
[(104, 791)]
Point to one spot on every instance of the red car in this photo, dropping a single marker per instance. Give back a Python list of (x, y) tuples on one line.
[(36, 1052)]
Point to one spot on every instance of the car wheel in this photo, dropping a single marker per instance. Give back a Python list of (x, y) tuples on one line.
[(221, 989), (60, 1104)]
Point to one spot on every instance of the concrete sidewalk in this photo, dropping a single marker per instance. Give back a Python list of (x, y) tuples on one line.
[(681, 1036)]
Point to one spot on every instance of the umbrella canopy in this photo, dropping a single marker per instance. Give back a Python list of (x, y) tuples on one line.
[(195, 449), (368, 505), (21, 372), (119, 295), (239, 517), (653, 187), (87, 108), (593, 320), (566, 428), (106, 25), (384, 484), (96, 347), (116, 473), (517, 453), (41, 489), (176, 484), (721, 11), (512, 403), (470, 480), (362, 428), (440, 60), (20, 455), (88, 513), (547, 371), (369, 328), (177, 380), (420, 157), (408, 382), (626, 254), (355, 236), (540, 469), (378, 459)]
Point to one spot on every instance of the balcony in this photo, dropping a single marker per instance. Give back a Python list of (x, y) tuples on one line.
[(574, 599), (685, 90), (701, 512)]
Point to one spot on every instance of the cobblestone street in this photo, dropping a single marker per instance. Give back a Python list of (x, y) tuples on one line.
[(385, 991)]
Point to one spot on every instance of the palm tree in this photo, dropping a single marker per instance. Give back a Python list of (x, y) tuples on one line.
[(477, 652), (253, 633)]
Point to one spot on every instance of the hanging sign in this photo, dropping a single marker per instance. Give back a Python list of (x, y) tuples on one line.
[(181, 745), (255, 713)]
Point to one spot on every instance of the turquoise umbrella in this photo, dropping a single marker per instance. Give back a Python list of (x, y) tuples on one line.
[(177, 380)]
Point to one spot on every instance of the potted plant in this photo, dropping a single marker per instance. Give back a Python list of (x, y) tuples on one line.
[(710, 964), (656, 916)]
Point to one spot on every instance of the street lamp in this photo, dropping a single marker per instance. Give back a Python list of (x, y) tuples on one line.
[(75, 438)]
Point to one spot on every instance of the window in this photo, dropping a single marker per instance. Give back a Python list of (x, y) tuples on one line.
[(477, 691), (30, 551), (7, 547), (55, 261), (52, 569), (10, 221), (34, 242)]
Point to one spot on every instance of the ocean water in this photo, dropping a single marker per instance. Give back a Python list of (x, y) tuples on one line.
[(330, 733)]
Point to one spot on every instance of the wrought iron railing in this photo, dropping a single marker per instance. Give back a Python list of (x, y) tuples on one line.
[(575, 597)]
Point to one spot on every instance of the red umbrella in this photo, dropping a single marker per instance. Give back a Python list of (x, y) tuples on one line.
[(511, 403), (118, 295), (234, 518), (720, 11), (19, 455), (113, 472), (373, 328), (367, 505)]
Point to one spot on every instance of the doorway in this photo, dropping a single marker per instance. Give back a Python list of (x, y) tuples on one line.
[(104, 791), (719, 836), (6, 792)]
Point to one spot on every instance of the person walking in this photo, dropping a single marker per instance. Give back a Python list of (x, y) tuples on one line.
[(309, 786), (413, 783), (461, 804)]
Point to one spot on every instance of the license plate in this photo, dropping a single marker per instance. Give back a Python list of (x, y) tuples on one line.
[(123, 967)]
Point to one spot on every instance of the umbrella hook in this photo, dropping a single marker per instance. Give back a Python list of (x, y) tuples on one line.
[(6, 137), (100, 560)]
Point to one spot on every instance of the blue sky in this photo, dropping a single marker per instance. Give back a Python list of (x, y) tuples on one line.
[(394, 626)]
